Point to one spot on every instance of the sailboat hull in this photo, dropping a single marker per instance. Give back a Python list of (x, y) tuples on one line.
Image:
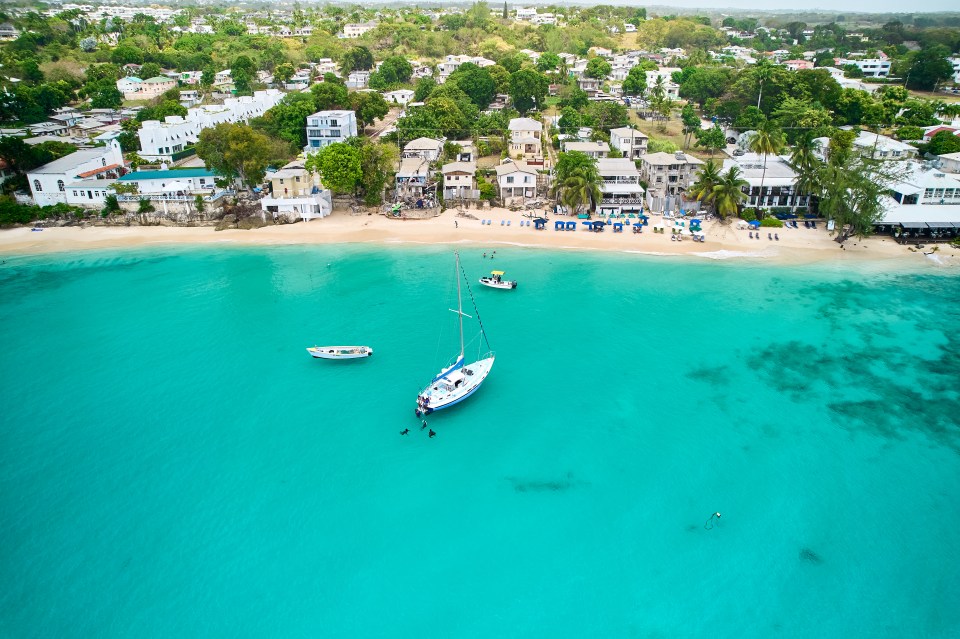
[(454, 386)]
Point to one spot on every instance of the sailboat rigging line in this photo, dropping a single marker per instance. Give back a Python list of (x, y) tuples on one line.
[(474, 302)]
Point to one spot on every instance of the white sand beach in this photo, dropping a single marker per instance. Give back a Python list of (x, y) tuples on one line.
[(723, 240)]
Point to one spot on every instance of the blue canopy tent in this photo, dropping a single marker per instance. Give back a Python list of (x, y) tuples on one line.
[(618, 227), (558, 226), (755, 224), (571, 226), (638, 227), (539, 223), (644, 219), (694, 224)]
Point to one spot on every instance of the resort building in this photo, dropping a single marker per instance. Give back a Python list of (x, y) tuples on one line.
[(620, 187), (668, 174), (630, 142), (773, 187), (327, 127), (517, 182), (48, 183), (591, 149), (424, 148), (460, 181), (165, 141), (525, 138), (297, 192), (921, 184)]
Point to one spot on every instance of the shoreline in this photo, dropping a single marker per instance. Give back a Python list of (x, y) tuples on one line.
[(723, 241)]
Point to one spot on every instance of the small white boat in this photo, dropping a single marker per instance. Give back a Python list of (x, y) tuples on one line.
[(496, 281), (340, 352)]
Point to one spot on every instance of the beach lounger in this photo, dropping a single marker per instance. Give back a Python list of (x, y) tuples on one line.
[(776, 237), (508, 222), (813, 224)]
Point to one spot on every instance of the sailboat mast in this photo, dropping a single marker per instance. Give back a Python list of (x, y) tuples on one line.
[(459, 306)]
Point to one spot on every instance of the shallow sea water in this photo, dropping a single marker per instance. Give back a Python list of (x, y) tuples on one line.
[(173, 463)]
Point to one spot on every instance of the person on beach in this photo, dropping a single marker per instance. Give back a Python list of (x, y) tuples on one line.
[(484, 256), (405, 431), (455, 225), (432, 434), (424, 425)]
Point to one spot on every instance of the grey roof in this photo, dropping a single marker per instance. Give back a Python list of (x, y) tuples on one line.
[(586, 147), (524, 124), (616, 166), (666, 159), (453, 167), (413, 166), (423, 144), (69, 162), (512, 166), (626, 132)]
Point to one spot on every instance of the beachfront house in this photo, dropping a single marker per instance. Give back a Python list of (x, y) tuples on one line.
[(427, 149), (48, 183), (773, 187), (620, 187), (413, 178), (517, 181), (459, 181), (667, 174), (171, 182), (591, 149), (296, 192), (630, 142), (525, 138), (327, 127)]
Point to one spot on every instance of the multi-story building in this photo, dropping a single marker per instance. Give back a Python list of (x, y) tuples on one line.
[(297, 192), (517, 182), (162, 140), (129, 87), (620, 187), (922, 184), (355, 30), (872, 68), (459, 181), (526, 138), (771, 181), (413, 178), (328, 127), (955, 63), (155, 87), (48, 183), (630, 142), (668, 174)]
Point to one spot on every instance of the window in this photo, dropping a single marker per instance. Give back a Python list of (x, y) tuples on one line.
[(60, 185), (928, 193), (36, 186), (510, 180)]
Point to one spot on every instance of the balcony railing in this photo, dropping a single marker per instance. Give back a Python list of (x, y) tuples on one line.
[(167, 197), (621, 200)]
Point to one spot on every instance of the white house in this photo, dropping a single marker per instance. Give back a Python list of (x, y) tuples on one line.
[(358, 79), (355, 30), (162, 140), (182, 182), (328, 127), (48, 183), (668, 174), (950, 162), (591, 149), (296, 192), (881, 147), (526, 13), (620, 187), (517, 182), (424, 148), (400, 96), (412, 177), (526, 138), (459, 181), (770, 185), (630, 142), (955, 63)]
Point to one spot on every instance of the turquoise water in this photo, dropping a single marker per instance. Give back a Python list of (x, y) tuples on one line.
[(174, 464)]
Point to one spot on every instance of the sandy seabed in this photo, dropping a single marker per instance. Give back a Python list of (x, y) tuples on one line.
[(723, 241)]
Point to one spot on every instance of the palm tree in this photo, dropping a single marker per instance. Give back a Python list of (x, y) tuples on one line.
[(578, 193), (708, 177), (768, 139), (728, 195), (804, 161)]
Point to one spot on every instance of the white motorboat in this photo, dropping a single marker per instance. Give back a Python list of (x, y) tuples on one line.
[(340, 352), (459, 380), (496, 281)]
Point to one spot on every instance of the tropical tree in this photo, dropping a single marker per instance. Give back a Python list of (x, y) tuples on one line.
[(635, 82), (805, 163), (528, 88), (691, 123), (238, 152), (340, 166), (728, 194), (711, 138), (767, 140), (576, 181), (580, 193), (708, 177), (597, 68)]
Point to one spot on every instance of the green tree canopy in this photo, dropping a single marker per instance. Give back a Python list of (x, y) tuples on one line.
[(476, 82), (339, 165), (238, 152), (356, 58), (369, 107), (597, 68), (329, 95), (528, 88)]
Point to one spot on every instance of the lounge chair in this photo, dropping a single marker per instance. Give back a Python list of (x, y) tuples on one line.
[(813, 224), (776, 237), (751, 235), (770, 236)]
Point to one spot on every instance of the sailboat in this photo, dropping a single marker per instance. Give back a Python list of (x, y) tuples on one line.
[(461, 379)]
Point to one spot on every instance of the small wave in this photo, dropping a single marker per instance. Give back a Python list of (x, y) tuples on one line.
[(725, 254)]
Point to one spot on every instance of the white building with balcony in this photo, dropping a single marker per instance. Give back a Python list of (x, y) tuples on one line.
[(161, 141), (922, 184), (517, 182), (460, 181), (427, 149), (296, 192), (327, 127), (620, 189), (770, 187), (526, 138)]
